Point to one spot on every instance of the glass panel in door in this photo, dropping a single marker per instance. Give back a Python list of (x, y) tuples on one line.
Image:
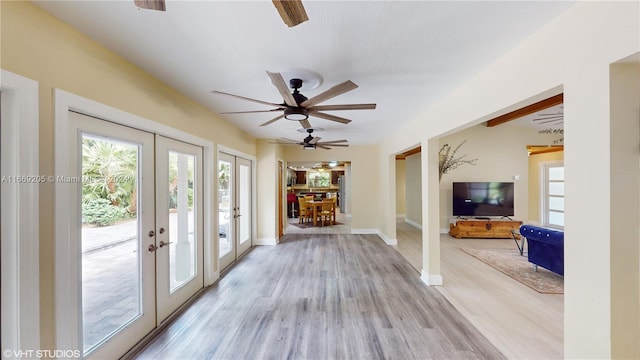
[(111, 278), (179, 223), (182, 249), (225, 181), (243, 209)]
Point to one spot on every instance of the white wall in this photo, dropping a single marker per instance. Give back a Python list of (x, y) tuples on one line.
[(572, 53), (413, 181), (501, 153), (401, 187)]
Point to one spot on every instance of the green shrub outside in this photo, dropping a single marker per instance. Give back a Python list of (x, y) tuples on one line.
[(100, 212)]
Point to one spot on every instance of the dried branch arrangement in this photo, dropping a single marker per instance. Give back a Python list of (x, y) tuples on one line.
[(449, 161)]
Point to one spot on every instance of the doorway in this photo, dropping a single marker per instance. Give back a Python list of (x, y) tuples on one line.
[(234, 207), (141, 238)]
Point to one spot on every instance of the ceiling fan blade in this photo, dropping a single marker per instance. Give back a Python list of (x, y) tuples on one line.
[(330, 117), (550, 116), (305, 124), (552, 121), (334, 145), (315, 140), (343, 107), (246, 98), (323, 147), (291, 11), (278, 81), (273, 120), (334, 141), (250, 111), (286, 142), (151, 4), (331, 93)]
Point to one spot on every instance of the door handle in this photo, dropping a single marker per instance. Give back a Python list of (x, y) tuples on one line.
[(152, 248), (162, 243)]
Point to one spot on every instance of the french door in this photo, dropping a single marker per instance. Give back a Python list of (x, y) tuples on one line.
[(234, 207), (141, 233), (179, 220)]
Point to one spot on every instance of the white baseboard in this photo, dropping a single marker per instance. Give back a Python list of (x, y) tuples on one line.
[(401, 216), (413, 223), (365, 231), (387, 240), (431, 280), (265, 241), (444, 231)]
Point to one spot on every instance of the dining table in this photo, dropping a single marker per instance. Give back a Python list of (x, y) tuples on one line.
[(317, 207)]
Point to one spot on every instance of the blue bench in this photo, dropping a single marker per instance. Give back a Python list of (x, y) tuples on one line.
[(545, 247)]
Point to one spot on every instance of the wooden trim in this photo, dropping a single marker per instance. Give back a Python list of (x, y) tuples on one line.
[(529, 109), (409, 152), (543, 149)]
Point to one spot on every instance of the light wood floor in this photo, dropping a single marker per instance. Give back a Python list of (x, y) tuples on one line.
[(321, 296), (520, 322)]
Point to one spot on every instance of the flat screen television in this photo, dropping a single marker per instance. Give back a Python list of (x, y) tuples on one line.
[(483, 199)]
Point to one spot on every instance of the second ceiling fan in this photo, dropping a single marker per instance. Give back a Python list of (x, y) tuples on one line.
[(310, 142), (298, 107)]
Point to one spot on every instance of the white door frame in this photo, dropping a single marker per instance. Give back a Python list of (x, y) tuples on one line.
[(67, 279), (20, 214)]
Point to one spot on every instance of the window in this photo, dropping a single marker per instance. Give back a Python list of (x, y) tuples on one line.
[(319, 179), (553, 195)]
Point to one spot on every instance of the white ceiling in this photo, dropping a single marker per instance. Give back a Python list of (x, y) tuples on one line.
[(405, 56), (549, 118)]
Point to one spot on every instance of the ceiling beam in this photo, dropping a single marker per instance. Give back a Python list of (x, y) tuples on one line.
[(409, 152), (527, 110), (543, 149)]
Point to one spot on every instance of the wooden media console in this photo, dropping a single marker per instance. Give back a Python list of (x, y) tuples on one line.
[(485, 229)]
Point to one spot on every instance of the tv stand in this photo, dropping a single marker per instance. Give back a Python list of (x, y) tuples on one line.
[(482, 218), (483, 228)]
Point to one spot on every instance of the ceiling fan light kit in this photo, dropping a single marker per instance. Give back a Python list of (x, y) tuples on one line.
[(296, 114)]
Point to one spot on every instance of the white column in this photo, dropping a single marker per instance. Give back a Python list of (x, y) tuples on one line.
[(430, 214), (602, 213)]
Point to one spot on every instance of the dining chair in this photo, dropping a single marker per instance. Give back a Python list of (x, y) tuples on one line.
[(304, 211), (327, 212)]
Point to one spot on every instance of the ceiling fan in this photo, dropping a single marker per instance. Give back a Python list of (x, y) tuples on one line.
[(297, 107), (291, 11), (310, 142)]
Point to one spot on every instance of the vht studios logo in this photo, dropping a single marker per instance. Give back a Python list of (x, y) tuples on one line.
[(59, 354)]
